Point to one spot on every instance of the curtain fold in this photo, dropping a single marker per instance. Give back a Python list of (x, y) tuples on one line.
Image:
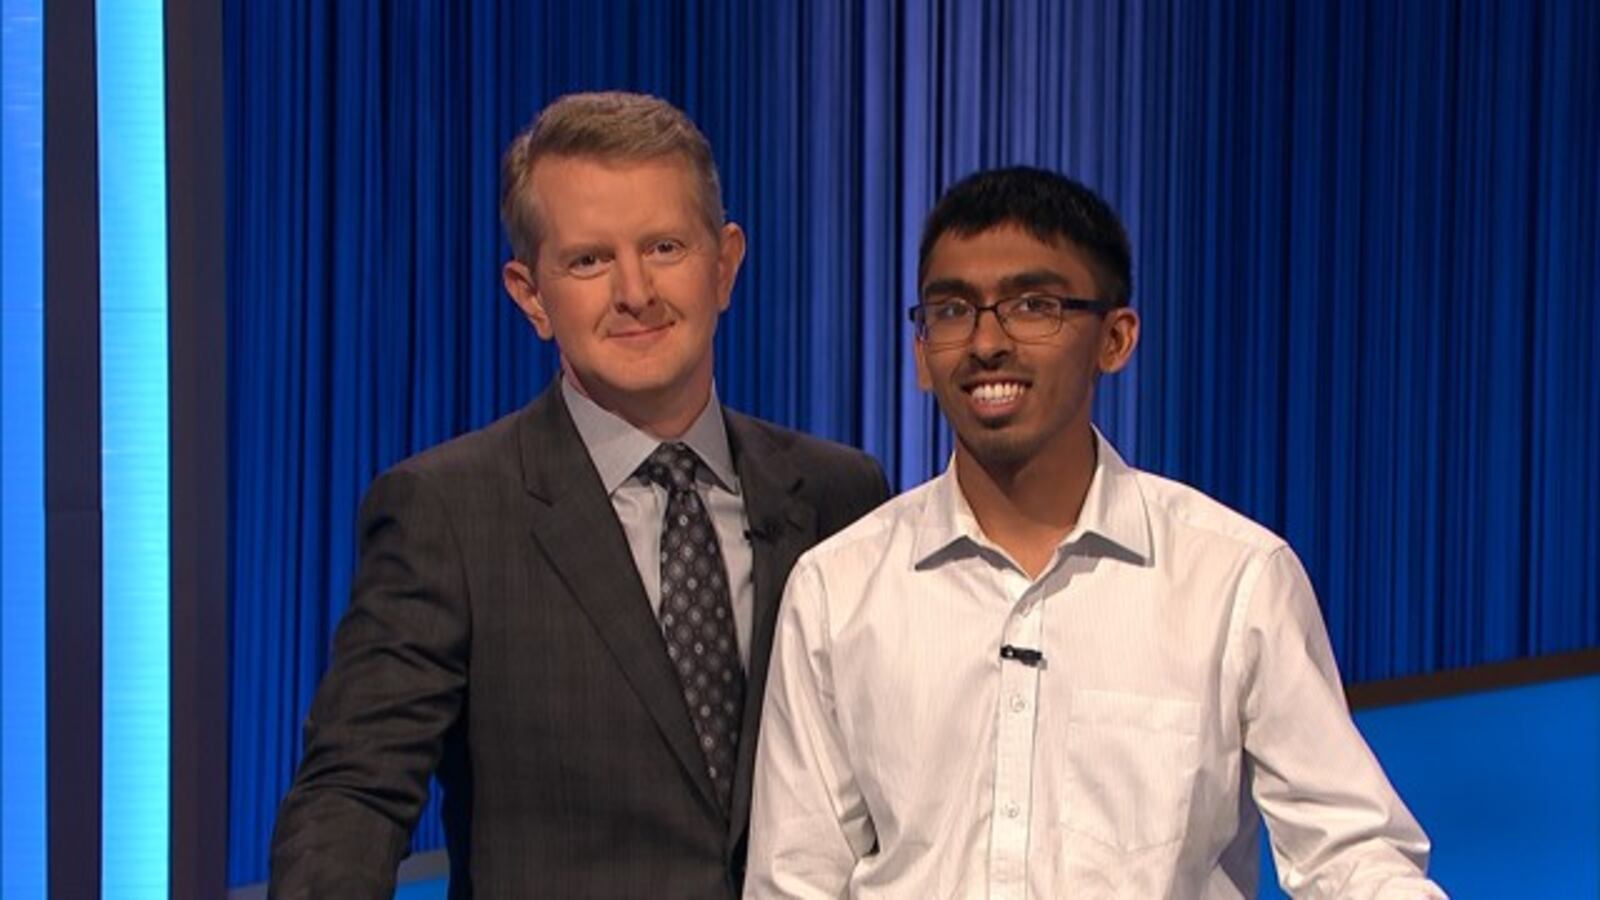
[(1365, 242)]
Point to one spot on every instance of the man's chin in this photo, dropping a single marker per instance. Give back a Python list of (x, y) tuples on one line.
[(993, 448), (640, 387), (653, 382)]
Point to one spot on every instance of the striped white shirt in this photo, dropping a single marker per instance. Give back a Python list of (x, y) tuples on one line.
[(1186, 687)]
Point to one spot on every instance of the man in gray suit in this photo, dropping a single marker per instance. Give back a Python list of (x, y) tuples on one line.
[(567, 615)]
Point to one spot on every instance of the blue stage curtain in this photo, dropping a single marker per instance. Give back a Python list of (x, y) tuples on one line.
[(1365, 252)]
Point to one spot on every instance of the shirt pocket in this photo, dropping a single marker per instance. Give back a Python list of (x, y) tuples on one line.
[(1131, 767)]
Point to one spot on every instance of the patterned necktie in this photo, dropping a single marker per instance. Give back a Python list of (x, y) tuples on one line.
[(697, 615)]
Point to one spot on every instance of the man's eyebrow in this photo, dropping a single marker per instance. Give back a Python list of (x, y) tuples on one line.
[(951, 286), (1031, 279), (1009, 286), (579, 248)]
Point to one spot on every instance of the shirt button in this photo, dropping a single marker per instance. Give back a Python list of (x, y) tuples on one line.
[(1018, 703), (1012, 810)]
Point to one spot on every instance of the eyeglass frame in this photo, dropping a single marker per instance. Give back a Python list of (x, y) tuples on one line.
[(918, 315)]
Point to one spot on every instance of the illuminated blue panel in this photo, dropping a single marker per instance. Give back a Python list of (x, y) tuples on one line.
[(134, 464), (1506, 783), (23, 857)]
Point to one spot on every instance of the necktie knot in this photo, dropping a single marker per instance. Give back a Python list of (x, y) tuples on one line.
[(671, 466)]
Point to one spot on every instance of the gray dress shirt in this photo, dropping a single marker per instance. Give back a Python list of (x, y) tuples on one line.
[(617, 449)]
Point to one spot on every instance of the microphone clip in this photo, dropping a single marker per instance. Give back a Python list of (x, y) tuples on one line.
[(1028, 657)]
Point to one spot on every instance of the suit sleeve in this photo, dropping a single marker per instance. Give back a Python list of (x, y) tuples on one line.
[(393, 688), (1337, 827)]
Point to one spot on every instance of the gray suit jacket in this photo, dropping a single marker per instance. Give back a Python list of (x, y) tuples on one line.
[(498, 634)]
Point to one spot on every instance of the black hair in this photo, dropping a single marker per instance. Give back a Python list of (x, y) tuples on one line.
[(1047, 205)]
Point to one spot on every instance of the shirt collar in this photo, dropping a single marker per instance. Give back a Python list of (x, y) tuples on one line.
[(1113, 513), (618, 448)]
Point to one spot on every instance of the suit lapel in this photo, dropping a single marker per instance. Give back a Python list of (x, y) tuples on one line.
[(585, 543), (782, 527)]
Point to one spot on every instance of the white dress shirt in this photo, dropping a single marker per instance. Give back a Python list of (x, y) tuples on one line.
[(1186, 683), (617, 449)]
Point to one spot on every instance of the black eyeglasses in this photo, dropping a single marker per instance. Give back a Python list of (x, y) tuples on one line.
[(1031, 317)]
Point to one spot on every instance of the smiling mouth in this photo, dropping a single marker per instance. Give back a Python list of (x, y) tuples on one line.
[(997, 395), (637, 333)]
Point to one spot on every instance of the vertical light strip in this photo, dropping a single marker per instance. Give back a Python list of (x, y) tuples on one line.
[(134, 463), (23, 852)]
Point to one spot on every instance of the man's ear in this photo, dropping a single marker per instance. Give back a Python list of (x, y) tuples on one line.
[(730, 255), (523, 288), (1119, 334), (919, 353)]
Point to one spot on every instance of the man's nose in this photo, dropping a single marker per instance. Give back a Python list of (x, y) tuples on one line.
[(631, 287), (989, 338)]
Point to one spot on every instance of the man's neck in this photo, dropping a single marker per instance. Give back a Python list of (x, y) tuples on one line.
[(665, 416), (1028, 508)]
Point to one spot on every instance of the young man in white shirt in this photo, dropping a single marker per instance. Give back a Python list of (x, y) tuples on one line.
[(1045, 673)]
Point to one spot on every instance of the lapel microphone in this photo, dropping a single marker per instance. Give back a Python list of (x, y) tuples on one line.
[(761, 531), (1031, 658)]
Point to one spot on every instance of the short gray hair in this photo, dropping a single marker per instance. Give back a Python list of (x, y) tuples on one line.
[(611, 126)]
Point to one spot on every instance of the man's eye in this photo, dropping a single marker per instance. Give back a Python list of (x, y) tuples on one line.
[(1037, 305), (667, 249), (586, 264), (949, 311)]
